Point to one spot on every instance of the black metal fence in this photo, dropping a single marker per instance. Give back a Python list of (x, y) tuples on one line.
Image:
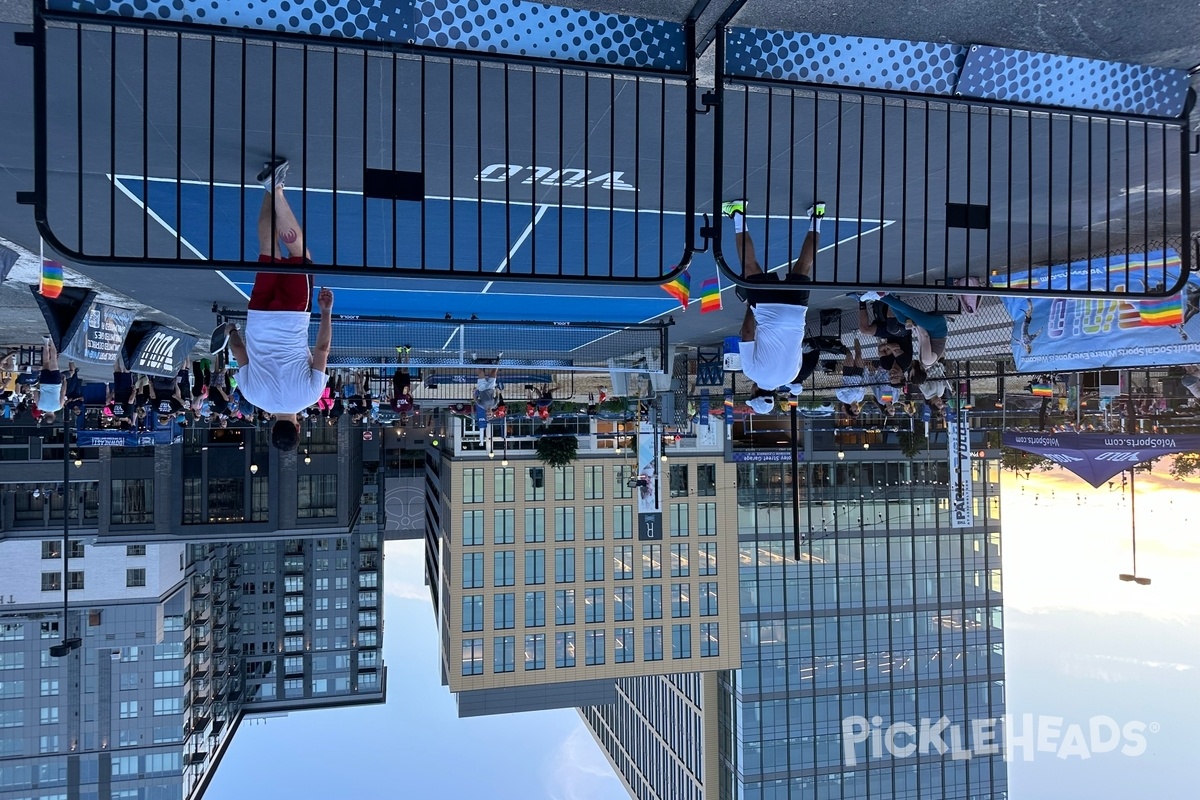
[(422, 162), (403, 163)]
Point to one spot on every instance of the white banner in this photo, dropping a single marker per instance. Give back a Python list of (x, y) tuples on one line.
[(648, 476), (958, 446)]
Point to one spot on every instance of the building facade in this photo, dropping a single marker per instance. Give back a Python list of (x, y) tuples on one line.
[(546, 595)]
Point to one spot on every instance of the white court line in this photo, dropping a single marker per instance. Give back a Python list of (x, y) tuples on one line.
[(512, 251), (150, 212), (315, 190)]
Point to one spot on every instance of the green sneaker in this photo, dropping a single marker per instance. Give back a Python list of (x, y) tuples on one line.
[(817, 209), (731, 207)]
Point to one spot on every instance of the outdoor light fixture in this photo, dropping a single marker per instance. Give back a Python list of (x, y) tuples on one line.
[(492, 455), (866, 445), (663, 457), (504, 463), (841, 455), (308, 459), (254, 469), (78, 463)]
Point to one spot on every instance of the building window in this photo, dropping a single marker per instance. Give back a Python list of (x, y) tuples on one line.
[(472, 571), (535, 525), (472, 490), (564, 649), (706, 552), (706, 521), (12, 718), (652, 602), (503, 611), (593, 563), (168, 705), (564, 524), (623, 648), (51, 581), (564, 483), (10, 690), (49, 688), (622, 474), (316, 496), (652, 561), (51, 549), (192, 514), (49, 716), (505, 482), (49, 744), (535, 567), (706, 480), (472, 657), (504, 526), (504, 650), (679, 519), (12, 661), (681, 600), (593, 482), (679, 560), (260, 498), (472, 613), (593, 605), (505, 567), (679, 480), (12, 631), (708, 599), (623, 522), (593, 522), (623, 603), (135, 577), (623, 562), (168, 677), (652, 643), (472, 528), (593, 647), (132, 501), (709, 639), (135, 550), (564, 607), (75, 581), (535, 483), (535, 651), (564, 565), (76, 549), (681, 641), (535, 609)]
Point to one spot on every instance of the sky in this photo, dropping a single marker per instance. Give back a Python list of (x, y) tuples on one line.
[(415, 745), (1079, 644)]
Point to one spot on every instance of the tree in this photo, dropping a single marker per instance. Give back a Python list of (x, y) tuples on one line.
[(557, 449), (912, 443), (1185, 465), (1018, 461)]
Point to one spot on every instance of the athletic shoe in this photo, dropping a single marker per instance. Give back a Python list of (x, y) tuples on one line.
[(817, 209), (731, 207), (868, 297), (273, 173), (219, 340), (499, 355)]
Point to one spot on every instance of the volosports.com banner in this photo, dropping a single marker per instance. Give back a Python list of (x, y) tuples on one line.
[(1057, 334), (1097, 457)]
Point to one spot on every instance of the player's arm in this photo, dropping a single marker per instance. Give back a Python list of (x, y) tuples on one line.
[(237, 346), (749, 326), (320, 356)]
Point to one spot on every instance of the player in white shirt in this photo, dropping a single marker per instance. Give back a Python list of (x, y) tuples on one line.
[(277, 371), (773, 327), (852, 391)]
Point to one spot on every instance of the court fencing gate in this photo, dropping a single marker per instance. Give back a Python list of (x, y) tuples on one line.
[(416, 154)]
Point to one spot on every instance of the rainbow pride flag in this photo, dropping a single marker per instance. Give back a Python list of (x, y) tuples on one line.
[(1042, 390), (1161, 311), (52, 279), (680, 288), (710, 295)]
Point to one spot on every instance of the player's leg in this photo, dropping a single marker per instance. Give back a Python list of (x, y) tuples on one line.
[(268, 244), (49, 355), (803, 264), (287, 227), (736, 211)]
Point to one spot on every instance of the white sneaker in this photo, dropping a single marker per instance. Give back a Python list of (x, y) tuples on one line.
[(867, 297)]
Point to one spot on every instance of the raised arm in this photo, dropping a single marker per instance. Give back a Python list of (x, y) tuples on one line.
[(237, 346), (320, 356)]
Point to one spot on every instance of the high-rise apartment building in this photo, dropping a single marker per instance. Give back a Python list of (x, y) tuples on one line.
[(545, 590), (890, 616)]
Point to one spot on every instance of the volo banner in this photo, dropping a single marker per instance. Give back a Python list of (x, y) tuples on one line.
[(1060, 334), (1098, 457), (958, 447)]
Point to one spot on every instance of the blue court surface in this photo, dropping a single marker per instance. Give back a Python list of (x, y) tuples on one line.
[(516, 237)]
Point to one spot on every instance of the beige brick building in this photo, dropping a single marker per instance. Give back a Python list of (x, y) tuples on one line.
[(544, 590)]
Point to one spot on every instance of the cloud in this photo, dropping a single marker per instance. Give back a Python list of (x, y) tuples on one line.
[(578, 770), (1115, 669), (404, 571)]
